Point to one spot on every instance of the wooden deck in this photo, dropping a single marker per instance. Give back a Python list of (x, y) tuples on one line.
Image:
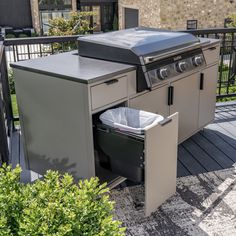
[(211, 149)]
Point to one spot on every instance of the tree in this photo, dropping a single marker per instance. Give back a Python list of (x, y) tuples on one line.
[(77, 23), (232, 20)]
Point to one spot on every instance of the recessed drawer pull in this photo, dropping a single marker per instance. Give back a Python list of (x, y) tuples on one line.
[(165, 121), (113, 81)]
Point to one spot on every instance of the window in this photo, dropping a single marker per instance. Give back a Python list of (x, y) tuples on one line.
[(191, 24), (103, 16), (131, 18), (49, 15), (55, 4)]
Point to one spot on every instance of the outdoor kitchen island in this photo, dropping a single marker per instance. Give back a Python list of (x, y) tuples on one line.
[(60, 98)]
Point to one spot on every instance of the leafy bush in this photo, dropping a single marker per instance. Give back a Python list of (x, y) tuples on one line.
[(10, 36), (77, 23), (54, 206), (11, 81), (34, 34), (115, 23), (232, 18), (23, 36)]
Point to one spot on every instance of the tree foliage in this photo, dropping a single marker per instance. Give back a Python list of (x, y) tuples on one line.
[(232, 18), (77, 23), (55, 206)]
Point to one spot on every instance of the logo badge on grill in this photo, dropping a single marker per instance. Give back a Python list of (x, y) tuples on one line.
[(177, 58)]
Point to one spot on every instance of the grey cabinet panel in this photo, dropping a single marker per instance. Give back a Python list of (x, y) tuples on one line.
[(186, 101), (155, 101), (160, 163), (56, 124), (208, 96)]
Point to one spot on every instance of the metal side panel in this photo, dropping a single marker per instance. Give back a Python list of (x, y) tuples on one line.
[(160, 163)]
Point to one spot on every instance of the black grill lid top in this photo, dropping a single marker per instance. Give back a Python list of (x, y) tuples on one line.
[(142, 41)]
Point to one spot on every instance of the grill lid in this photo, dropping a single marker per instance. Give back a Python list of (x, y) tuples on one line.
[(134, 42)]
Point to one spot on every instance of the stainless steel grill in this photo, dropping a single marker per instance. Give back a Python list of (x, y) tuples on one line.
[(158, 54)]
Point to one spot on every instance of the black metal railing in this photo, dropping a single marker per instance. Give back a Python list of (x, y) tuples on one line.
[(6, 116), (28, 48), (19, 49), (227, 64), (13, 50)]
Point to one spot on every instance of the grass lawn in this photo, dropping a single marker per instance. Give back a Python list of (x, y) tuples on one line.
[(15, 108), (14, 105)]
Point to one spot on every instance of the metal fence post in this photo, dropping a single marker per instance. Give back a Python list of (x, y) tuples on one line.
[(4, 148)]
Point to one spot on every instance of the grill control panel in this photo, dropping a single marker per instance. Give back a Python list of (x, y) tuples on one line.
[(171, 68)]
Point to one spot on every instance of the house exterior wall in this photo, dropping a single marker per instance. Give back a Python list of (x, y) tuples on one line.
[(149, 11), (15, 14), (173, 14), (36, 14)]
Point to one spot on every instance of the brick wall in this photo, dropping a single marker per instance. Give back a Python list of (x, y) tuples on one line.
[(173, 14)]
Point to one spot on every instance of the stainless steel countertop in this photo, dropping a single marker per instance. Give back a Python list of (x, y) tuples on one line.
[(70, 66)]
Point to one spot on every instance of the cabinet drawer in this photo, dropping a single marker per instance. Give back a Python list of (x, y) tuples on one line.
[(212, 54), (109, 92)]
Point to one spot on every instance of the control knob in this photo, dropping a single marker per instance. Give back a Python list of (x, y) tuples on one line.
[(163, 73), (181, 66), (197, 61)]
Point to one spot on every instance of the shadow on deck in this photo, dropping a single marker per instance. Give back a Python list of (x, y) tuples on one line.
[(213, 148)]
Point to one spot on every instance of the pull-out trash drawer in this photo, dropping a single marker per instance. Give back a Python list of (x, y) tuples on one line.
[(125, 152), (148, 156)]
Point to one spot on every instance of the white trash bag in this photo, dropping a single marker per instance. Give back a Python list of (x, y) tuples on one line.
[(130, 120)]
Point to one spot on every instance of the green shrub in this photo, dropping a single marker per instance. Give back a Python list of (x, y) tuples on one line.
[(23, 36), (10, 36), (115, 23), (11, 81), (34, 34), (54, 206)]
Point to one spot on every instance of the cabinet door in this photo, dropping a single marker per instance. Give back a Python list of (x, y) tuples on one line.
[(186, 102), (160, 163), (207, 95), (155, 101)]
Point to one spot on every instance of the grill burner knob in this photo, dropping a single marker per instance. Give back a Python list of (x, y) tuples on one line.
[(197, 61), (181, 66), (163, 73)]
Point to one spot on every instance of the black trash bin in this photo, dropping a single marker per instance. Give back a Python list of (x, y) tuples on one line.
[(121, 139)]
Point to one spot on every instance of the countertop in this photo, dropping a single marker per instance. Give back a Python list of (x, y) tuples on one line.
[(70, 66)]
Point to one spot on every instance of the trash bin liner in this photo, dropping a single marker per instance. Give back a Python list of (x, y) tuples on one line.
[(130, 120), (121, 139)]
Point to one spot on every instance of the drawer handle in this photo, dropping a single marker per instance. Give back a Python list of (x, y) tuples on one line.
[(113, 81), (212, 48), (165, 121), (202, 81)]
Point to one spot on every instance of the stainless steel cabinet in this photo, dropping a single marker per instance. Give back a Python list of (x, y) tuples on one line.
[(155, 101), (207, 99)]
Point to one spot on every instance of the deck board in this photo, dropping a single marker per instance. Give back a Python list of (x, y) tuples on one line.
[(182, 170), (199, 154), (212, 149), (222, 144), (192, 165), (15, 149)]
